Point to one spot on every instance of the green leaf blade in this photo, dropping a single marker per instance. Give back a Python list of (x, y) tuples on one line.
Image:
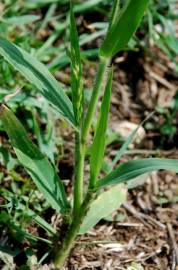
[(98, 146), (129, 140), (124, 27), (105, 204), (39, 220), (37, 74), (21, 20), (35, 163), (86, 5), (134, 168)]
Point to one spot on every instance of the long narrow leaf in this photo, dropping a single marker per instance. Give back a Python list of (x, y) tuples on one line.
[(135, 168), (37, 74), (98, 147), (76, 69), (35, 163), (41, 222), (128, 141), (124, 27), (21, 20), (114, 14), (87, 5)]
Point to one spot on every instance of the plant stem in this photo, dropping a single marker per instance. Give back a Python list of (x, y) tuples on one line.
[(79, 172), (99, 83), (80, 140), (80, 209), (64, 249)]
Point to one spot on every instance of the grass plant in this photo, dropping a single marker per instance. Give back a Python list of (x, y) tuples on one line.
[(79, 215)]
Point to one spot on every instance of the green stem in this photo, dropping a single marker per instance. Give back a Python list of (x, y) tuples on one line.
[(64, 249), (79, 172), (80, 141), (94, 98), (80, 209)]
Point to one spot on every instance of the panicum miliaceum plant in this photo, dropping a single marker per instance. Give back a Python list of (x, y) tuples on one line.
[(91, 203)]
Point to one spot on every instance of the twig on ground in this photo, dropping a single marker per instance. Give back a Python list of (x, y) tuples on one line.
[(129, 224), (136, 214), (145, 219), (173, 241), (153, 221)]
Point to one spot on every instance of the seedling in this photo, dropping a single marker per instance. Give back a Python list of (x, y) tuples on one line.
[(90, 203)]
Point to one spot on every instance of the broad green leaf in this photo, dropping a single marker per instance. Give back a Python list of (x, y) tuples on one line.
[(37, 74), (35, 163), (135, 168), (106, 203), (124, 27), (46, 138), (98, 146), (76, 70)]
